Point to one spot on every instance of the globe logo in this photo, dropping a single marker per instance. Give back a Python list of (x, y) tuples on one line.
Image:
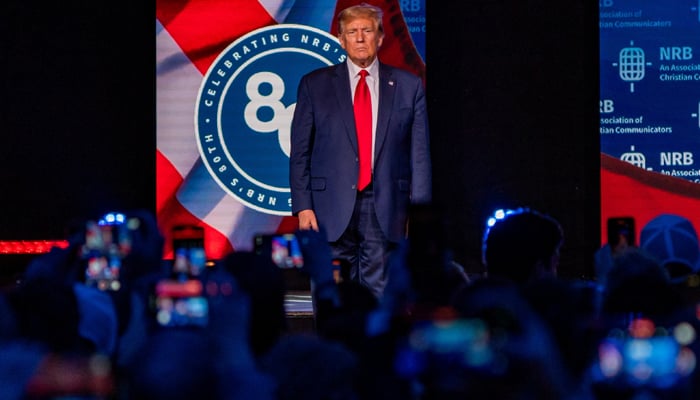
[(632, 65)]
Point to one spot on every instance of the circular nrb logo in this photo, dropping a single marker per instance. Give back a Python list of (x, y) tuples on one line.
[(244, 110)]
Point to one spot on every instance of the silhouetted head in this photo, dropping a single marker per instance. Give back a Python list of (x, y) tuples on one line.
[(522, 245), (311, 368), (498, 347), (47, 312), (637, 283), (264, 282), (174, 364)]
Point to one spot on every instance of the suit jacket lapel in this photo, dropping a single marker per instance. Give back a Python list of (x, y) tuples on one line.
[(387, 88), (343, 94)]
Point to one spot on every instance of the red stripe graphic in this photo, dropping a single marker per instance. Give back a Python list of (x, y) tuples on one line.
[(204, 28), (171, 213), (627, 190)]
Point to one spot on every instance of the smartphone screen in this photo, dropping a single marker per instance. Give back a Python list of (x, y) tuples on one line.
[(619, 229), (653, 362), (284, 249), (181, 303), (189, 256), (107, 242)]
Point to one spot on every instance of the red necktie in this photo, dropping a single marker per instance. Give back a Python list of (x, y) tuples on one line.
[(363, 123)]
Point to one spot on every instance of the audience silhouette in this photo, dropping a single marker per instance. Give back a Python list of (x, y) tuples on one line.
[(516, 331), (522, 245)]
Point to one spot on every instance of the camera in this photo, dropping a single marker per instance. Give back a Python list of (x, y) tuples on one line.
[(189, 259), (619, 229), (107, 241), (451, 346), (660, 358), (181, 303), (284, 249), (179, 300)]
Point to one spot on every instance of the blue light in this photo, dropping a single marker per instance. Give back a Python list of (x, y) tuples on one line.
[(499, 214), (112, 218)]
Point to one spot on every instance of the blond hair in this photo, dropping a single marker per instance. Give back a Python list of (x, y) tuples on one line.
[(362, 10)]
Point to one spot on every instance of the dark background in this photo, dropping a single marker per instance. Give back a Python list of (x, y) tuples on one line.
[(513, 103), (512, 94), (78, 113)]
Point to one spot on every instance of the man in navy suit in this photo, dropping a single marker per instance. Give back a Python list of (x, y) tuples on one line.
[(363, 223)]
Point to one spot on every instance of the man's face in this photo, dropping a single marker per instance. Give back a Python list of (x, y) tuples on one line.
[(361, 40)]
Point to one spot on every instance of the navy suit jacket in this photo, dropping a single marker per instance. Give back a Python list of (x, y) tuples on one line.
[(324, 158)]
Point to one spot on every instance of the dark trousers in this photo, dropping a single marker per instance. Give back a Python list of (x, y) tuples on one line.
[(364, 246)]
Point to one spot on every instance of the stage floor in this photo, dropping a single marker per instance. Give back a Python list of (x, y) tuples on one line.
[(299, 311), (298, 303)]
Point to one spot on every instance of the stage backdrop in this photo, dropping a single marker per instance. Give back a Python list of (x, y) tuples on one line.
[(226, 80), (649, 109)]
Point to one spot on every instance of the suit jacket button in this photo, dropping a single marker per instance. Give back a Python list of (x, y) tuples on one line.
[(354, 187), (357, 159)]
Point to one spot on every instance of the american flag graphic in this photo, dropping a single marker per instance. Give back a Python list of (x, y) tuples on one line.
[(190, 35)]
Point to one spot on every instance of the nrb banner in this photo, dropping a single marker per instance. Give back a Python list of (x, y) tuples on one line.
[(226, 76), (649, 109)]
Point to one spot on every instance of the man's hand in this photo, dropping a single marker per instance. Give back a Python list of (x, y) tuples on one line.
[(307, 220)]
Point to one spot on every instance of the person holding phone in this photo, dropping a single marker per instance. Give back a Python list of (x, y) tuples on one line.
[(360, 150), (621, 235)]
